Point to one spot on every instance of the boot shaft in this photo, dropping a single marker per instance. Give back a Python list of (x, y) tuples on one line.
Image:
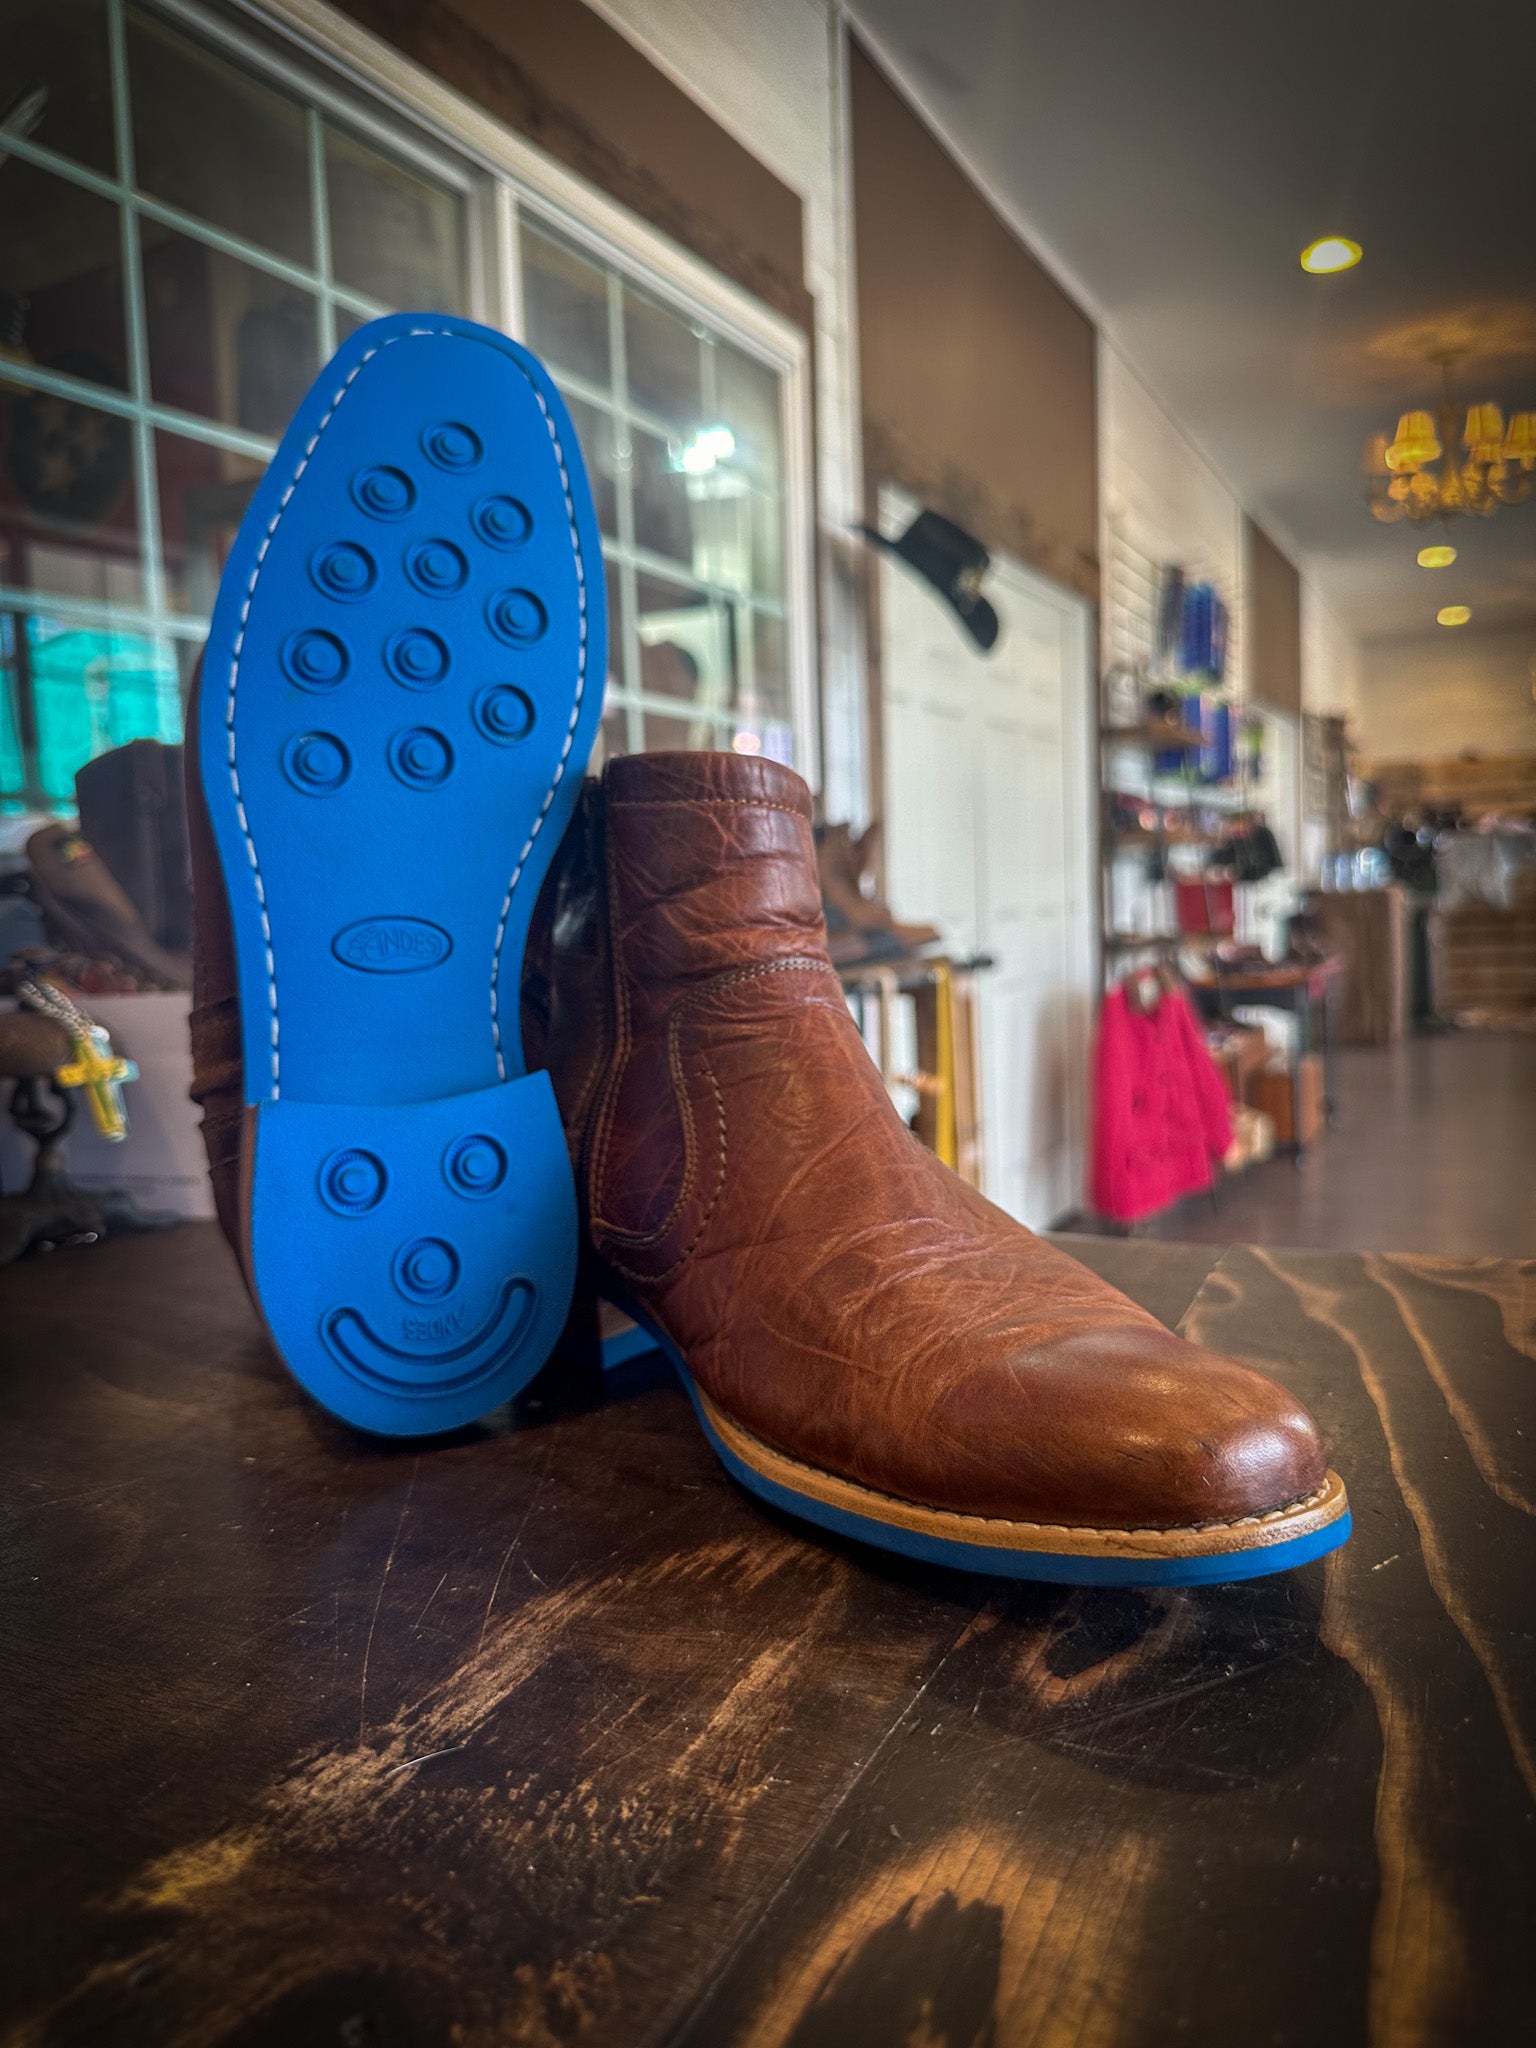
[(711, 869)]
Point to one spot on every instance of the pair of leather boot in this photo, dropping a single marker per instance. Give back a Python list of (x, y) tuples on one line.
[(464, 1024), (868, 1343)]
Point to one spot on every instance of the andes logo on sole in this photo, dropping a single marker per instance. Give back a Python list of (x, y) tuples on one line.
[(433, 1329), (392, 945)]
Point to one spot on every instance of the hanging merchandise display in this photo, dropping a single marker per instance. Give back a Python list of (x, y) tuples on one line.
[(1161, 1119)]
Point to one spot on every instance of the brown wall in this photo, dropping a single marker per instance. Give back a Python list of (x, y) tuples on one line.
[(1274, 622), (978, 371), (559, 74)]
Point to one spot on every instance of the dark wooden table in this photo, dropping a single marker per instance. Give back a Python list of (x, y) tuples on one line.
[(548, 1734)]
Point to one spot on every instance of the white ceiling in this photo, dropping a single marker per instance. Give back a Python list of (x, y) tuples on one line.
[(1170, 162)]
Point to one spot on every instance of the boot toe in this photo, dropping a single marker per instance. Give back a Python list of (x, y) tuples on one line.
[(1158, 1433), (1122, 1427)]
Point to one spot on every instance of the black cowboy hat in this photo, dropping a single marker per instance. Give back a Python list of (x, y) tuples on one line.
[(954, 562)]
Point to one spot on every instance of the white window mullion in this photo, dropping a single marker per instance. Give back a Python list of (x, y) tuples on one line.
[(320, 229), (146, 482), (504, 284)]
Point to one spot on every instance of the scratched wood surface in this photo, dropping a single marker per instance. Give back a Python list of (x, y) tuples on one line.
[(547, 1734)]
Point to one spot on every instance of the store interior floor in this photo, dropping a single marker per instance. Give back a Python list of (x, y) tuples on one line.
[(1432, 1150)]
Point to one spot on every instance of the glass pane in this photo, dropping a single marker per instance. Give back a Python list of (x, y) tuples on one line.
[(565, 307), (659, 734), (225, 339), (763, 722), (685, 644), (662, 521), (13, 766), (58, 80), (663, 360), (613, 737), (69, 521), (348, 323), (94, 689), (214, 143), (617, 627), (61, 275), (203, 495), (394, 237), (707, 519), (770, 666), (766, 546), (594, 430), (747, 400)]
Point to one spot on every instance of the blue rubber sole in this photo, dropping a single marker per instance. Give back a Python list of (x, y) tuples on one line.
[(1051, 1567), (401, 687)]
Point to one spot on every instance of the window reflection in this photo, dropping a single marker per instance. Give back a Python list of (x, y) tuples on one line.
[(68, 510), (685, 644), (565, 302), (92, 690), (217, 144), (203, 495), (599, 447), (89, 689), (663, 362), (61, 275), (686, 460), (58, 78), (395, 237), (225, 339)]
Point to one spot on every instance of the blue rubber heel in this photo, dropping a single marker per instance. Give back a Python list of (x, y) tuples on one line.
[(431, 1247), (402, 684)]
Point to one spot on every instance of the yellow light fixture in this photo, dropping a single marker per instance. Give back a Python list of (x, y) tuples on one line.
[(1499, 467), (1414, 444), (1436, 558), (1333, 252), (1453, 615)]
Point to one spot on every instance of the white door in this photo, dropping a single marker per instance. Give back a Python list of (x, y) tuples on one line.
[(988, 814)]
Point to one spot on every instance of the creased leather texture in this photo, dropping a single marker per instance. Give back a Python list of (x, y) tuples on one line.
[(832, 1287)]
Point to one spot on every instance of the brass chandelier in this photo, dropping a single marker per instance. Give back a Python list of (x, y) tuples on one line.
[(1497, 469)]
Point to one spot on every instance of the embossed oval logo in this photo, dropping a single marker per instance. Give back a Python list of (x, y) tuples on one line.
[(392, 945)]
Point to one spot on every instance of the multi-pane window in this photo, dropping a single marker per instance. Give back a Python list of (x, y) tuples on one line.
[(186, 232), (684, 443)]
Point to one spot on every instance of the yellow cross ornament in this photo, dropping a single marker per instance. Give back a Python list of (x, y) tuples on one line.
[(101, 1073)]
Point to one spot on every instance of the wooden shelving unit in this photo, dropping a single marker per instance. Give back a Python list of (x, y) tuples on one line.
[(1151, 737)]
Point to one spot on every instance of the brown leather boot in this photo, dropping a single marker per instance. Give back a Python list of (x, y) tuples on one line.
[(84, 906), (869, 1344), (217, 1077)]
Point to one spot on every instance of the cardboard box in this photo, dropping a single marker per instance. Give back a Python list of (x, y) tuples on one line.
[(1239, 1055), (161, 1162), (1270, 1091)]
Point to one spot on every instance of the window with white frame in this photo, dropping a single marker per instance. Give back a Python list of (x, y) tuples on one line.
[(189, 223)]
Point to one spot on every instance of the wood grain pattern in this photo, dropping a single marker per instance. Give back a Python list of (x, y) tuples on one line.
[(549, 1734)]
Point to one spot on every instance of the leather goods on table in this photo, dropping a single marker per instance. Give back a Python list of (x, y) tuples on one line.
[(868, 1342)]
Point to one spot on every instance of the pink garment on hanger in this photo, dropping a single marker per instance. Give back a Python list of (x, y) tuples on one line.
[(1160, 1116)]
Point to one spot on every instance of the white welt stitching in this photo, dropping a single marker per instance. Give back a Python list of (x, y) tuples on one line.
[(267, 538), (570, 730)]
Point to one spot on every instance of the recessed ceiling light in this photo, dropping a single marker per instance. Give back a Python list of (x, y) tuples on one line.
[(1453, 614), (1333, 252), (1436, 558)]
